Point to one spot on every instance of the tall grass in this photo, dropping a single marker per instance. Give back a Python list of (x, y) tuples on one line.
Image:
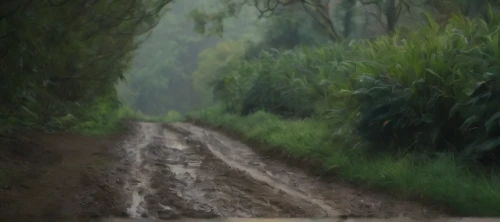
[(112, 121), (433, 89), (101, 118)]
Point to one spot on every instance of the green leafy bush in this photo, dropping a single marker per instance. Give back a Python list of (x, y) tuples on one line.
[(434, 89), (279, 82)]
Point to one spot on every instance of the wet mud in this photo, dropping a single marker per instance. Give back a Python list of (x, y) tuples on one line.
[(181, 170), (171, 171), (54, 176)]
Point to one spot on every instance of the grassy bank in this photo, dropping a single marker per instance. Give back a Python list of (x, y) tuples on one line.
[(102, 119), (443, 180), (112, 121)]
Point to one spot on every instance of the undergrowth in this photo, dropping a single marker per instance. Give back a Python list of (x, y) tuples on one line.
[(112, 122), (435, 89), (59, 68), (102, 118)]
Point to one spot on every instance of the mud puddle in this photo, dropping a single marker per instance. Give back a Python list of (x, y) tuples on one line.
[(182, 170)]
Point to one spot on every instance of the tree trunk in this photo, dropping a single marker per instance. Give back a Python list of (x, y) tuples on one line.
[(348, 6), (320, 12), (391, 15)]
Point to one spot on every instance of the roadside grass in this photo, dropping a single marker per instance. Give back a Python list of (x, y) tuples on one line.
[(127, 113), (113, 122), (444, 180)]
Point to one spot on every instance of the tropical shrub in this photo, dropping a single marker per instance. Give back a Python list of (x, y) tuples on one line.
[(434, 89)]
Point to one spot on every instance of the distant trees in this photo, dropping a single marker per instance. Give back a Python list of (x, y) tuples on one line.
[(386, 13), (160, 77), (317, 9), (466, 7)]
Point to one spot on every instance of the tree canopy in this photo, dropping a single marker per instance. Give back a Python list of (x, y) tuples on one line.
[(325, 13)]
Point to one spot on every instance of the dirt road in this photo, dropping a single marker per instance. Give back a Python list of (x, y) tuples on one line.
[(182, 170)]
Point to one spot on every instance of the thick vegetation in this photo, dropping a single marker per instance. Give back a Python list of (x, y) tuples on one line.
[(432, 89), (414, 112), (61, 59)]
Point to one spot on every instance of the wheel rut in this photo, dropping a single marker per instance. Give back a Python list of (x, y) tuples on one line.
[(183, 170)]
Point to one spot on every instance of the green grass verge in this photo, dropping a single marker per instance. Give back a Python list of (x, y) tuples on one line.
[(443, 180), (113, 122)]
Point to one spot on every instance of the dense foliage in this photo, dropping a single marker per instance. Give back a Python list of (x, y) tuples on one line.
[(61, 59), (439, 95), (435, 89), (428, 95)]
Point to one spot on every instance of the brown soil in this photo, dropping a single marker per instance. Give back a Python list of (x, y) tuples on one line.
[(59, 175), (344, 199), (172, 171)]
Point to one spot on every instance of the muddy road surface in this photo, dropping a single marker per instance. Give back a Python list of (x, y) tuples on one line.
[(180, 170)]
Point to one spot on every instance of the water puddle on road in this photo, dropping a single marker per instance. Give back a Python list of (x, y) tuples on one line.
[(235, 158), (180, 170), (171, 140)]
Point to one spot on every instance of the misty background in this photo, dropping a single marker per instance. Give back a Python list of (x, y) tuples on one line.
[(175, 65)]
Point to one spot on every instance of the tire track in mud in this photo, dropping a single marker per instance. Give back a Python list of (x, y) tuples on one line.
[(182, 170), (263, 176), (137, 186)]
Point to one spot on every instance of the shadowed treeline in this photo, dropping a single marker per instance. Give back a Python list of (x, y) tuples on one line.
[(59, 60)]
